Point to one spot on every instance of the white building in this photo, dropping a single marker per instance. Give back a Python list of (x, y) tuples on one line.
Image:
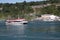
[(48, 17)]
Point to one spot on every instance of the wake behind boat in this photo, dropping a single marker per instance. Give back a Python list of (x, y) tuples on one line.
[(16, 22)]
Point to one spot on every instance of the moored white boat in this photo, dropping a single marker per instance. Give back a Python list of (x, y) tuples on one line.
[(16, 22)]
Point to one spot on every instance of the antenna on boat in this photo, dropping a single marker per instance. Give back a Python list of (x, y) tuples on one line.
[(18, 17), (9, 17)]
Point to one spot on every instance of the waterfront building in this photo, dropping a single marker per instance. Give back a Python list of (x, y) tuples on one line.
[(48, 17)]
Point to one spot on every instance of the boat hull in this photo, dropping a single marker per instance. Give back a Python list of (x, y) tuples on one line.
[(17, 23)]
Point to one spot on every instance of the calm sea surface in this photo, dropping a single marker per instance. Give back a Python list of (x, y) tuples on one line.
[(35, 30)]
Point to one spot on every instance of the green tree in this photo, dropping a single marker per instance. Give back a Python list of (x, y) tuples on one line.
[(50, 10), (53, 1)]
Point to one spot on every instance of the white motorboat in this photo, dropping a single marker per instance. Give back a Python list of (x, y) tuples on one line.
[(16, 22)]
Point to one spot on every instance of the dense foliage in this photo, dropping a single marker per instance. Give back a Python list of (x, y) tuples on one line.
[(13, 10), (24, 9), (52, 9)]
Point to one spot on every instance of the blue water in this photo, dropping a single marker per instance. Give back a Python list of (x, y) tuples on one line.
[(35, 30)]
